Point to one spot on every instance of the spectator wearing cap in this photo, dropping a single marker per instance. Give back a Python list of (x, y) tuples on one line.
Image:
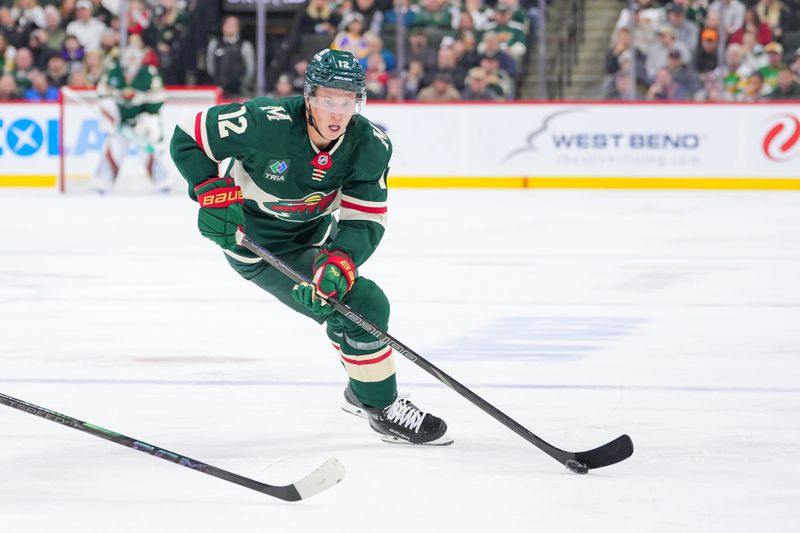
[(788, 88), (752, 24), (433, 14), (491, 45), (657, 54), (441, 90), (512, 37), (772, 68), (705, 57), (87, 29), (497, 80), (351, 35), (519, 16), (665, 88), (681, 73), (320, 18), (477, 86), (685, 31), (732, 16), (40, 89), (231, 60)]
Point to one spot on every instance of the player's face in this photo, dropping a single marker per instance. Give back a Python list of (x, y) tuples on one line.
[(332, 110)]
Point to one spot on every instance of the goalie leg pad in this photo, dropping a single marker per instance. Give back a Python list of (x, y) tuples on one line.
[(114, 150)]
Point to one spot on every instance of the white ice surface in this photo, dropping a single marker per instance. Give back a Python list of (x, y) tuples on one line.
[(671, 316)]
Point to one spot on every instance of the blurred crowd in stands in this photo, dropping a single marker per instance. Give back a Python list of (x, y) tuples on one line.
[(47, 44), (721, 50), (452, 50), (459, 50), (448, 50)]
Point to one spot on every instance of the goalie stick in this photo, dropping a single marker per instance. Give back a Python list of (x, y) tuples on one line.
[(610, 453), (324, 477)]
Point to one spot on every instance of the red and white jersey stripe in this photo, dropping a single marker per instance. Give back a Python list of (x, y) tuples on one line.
[(352, 208)]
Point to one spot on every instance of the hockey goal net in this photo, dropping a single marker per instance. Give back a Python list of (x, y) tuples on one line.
[(82, 135)]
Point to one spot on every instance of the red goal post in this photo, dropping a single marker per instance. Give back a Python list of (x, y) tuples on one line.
[(81, 136)]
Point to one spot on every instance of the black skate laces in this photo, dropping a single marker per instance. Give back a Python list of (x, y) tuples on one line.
[(404, 413)]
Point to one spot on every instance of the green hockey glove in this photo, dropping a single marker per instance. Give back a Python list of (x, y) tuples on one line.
[(334, 273), (221, 213), (306, 295)]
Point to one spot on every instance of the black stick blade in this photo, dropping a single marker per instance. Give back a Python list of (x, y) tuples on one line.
[(611, 453)]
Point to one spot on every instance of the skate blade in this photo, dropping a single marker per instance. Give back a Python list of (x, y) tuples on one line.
[(354, 410), (444, 440)]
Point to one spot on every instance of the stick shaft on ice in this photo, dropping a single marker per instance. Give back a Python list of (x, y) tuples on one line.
[(610, 453)]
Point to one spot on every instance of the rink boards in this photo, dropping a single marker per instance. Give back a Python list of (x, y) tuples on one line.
[(514, 145)]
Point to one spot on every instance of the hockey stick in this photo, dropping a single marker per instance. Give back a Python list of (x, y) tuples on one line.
[(324, 477), (613, 452)]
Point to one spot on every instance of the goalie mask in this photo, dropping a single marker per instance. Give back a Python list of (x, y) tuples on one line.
[(131, 61)]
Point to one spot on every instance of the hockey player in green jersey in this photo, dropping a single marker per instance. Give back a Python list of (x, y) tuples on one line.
[(295, 162), (131, 94)]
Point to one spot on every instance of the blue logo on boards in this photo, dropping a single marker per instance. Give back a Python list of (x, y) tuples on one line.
[(24, 137)]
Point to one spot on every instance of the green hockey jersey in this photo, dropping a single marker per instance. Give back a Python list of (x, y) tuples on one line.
[(143, 94), (291, 188)]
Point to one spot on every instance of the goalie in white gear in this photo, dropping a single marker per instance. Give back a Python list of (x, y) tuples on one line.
[(130, 95)]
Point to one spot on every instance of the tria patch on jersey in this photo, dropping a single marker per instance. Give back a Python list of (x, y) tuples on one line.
[(321, 163), (276, 169)]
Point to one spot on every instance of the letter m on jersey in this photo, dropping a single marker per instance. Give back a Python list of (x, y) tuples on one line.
[(276, 112), (382, 137)]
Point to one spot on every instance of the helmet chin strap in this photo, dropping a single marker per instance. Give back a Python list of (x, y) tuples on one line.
[(312, 122)]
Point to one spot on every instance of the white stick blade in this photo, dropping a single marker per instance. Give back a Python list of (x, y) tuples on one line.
[(326, 476)]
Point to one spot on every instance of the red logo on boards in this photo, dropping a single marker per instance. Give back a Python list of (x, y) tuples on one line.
[(781, 141)]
